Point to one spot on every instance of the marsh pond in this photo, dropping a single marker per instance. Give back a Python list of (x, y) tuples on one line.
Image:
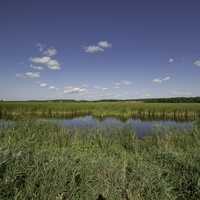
[(140, 127)]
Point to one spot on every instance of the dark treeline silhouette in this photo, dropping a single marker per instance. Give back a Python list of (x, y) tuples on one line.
[(152, 100), (173, 100), (161, 100)]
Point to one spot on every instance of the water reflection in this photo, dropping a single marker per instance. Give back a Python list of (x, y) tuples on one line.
[(141, 128), (5, 123)]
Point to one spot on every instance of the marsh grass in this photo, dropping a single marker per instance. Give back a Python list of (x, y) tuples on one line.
[(43, 161), (122, 110)]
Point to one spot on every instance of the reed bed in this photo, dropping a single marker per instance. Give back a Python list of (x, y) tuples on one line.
[(43, 161), (123, 110)]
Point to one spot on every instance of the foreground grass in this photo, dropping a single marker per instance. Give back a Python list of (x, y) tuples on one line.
[(123, 110), (43, 161)]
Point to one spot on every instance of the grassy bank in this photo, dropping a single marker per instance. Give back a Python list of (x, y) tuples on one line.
[(43, 161), (123, 110)]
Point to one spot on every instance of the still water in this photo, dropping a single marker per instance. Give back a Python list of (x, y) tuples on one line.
[(5, 123), (141, 128)]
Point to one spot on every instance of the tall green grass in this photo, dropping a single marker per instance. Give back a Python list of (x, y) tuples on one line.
[(122, 110), (43, 161)]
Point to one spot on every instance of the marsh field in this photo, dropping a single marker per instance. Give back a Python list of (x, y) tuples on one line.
[(41, 159)]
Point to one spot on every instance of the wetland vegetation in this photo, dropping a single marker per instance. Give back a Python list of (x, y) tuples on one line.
[(119, 109), (43, 160), (40, 160)]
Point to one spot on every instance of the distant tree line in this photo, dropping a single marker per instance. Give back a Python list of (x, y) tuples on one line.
[(152, 100), (160, 100), (173, 100)]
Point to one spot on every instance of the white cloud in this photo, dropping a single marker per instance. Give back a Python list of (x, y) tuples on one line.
[(32, 74), (167, 78), (53, 64), (43, 85), (47, 61), (74, 90), (50, 52), (171, 60), (100, 47), (41, 60), (53, 88), (36, 67), (93, 49), (29, 75), (104, 44), (197, 63), (118, 84), (159, 80)]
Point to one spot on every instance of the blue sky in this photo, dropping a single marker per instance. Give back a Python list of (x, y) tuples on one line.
[(99, 49)]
